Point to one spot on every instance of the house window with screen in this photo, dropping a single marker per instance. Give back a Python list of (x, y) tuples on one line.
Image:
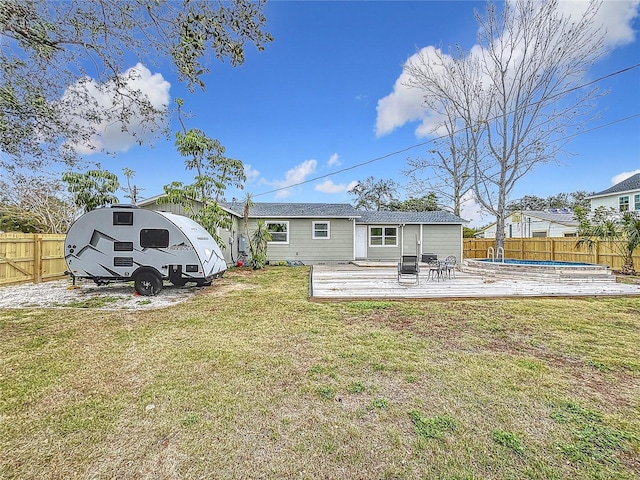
[(636, 202), (383, 236), (321, 231), (279, 231), (624, 204)]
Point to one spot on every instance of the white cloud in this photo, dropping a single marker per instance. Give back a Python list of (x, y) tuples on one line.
[(329, 187), (615, 17), (404, 104), (294, 176), (333, 160), (623, 176), (250, 173), (471, 210), (109, 135)]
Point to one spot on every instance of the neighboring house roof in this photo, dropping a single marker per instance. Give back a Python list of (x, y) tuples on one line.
[(562, 216), (409, 217), (294, 210), (627, 185)]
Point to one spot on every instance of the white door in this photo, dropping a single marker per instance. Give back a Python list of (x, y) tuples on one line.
[(361, 241)]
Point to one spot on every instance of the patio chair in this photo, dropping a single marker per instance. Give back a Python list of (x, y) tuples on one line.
[(409, 266), (450, 265), (435, 269)]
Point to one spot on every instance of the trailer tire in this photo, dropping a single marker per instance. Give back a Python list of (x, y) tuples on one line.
[(148, 283)]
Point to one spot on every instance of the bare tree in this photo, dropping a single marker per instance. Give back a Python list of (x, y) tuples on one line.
[(36, 204), (451, 89), (517, 94)]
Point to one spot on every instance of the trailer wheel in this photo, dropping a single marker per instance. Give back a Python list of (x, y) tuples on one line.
[(148, 283)]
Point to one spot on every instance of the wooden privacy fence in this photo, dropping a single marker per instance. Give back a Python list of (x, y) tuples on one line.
[(557, 249), (27, 257)]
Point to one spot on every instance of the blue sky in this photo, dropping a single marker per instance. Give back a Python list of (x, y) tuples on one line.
[(308, 107)]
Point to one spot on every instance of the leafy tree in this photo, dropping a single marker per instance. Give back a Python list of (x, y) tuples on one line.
[(374, 195), (92, 189), (427, 203), (620, 229), (468, 232), (213, 172), (258, 245), (85, 48), (35, 205), (561, 200), (515, 97)]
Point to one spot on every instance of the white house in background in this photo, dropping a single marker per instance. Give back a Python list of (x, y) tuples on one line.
[(555, 222), (622, 196)]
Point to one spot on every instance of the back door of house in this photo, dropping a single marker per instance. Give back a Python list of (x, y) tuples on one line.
[(361, 241)]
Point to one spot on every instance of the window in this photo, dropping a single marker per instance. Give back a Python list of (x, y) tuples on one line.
[(383, 236), (636, 201), (123, 246), (154, 238), (539, 234), (571, 234), (279, 231), (123, 261), (321, 231), (123, 218), (624, 204)]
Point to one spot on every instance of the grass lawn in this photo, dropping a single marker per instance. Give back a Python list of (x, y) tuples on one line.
[(251, 380)]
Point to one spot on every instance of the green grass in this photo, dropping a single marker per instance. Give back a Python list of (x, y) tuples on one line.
[(249, 379)]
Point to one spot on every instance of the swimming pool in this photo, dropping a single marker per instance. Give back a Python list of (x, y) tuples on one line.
[(538, 270), (549, 263)]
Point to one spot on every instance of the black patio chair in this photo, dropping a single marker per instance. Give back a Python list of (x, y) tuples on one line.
[(409, 266)]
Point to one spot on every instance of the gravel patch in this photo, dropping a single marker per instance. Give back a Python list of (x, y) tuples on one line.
[(86, 294)]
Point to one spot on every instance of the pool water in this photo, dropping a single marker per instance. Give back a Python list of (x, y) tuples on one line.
[(551, 263)]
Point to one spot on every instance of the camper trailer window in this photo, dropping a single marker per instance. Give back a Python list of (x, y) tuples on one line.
[(123, 218), (123, 246), (154, 238)]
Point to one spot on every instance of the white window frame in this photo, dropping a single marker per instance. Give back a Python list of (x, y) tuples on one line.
[(623, 202), (314, 232), (278, 222), (383, 236), (636, 202)]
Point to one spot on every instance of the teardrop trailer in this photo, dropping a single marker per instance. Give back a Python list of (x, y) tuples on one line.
[(127, 243)]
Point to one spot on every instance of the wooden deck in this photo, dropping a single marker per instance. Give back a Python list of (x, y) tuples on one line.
[(352, 282)]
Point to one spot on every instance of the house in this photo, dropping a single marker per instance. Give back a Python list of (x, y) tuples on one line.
[(314, 233), (554, 222), (622, 196)]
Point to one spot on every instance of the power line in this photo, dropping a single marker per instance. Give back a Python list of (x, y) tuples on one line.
[(411, 147)]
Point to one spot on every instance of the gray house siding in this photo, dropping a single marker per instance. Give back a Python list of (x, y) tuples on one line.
[(338, 248), (410, 239), (443, 240)]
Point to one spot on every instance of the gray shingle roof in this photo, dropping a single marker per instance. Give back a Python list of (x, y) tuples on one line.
[(631, 183), (296, 210), (564, 218), (339, 210), (409, 217)]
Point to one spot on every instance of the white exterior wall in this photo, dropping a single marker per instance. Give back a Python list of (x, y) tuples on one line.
[(529, 226), (613, 201)]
